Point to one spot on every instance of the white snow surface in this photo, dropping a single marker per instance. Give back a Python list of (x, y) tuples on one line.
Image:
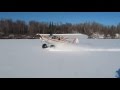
[(91, 58)]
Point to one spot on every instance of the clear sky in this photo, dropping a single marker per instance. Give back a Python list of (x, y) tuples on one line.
[(106, 18)]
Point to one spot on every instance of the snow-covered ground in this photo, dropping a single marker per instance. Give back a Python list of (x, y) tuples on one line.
[(92, 58)]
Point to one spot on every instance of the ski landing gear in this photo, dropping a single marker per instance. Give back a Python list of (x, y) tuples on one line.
[(47, 46)]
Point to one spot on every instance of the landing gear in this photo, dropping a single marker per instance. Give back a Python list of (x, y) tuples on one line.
[(46, 46), (52, 46)]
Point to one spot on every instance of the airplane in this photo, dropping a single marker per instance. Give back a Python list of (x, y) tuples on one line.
[(51, 41)]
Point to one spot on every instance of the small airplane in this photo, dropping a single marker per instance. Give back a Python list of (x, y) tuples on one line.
[(51, 41)]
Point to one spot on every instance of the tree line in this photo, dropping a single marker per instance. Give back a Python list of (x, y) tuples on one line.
[(20, 27)]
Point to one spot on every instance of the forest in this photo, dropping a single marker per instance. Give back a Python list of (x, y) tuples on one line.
[(21, 29)]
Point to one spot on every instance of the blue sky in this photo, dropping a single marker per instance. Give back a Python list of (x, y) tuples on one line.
[(106, 18)]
